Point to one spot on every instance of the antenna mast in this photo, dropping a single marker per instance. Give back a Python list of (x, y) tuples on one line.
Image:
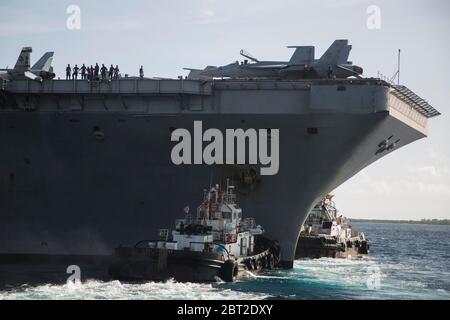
[(397, 73), (398, 69)]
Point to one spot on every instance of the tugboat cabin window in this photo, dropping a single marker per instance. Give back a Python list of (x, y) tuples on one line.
[(327, 225), (226, 215)]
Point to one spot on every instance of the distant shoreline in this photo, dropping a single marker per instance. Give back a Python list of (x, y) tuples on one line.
[(423, 221)]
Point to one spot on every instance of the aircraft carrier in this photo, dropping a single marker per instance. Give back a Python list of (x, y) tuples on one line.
[(85, 166)]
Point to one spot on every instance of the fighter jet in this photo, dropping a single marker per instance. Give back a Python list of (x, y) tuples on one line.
[(41, 70), (332, 64)]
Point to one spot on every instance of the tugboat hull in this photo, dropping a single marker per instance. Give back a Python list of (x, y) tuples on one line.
[(152, 264), (317, 247), (138, 264)]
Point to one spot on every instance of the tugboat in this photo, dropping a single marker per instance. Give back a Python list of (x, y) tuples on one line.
[(218, 245), (325, 234)]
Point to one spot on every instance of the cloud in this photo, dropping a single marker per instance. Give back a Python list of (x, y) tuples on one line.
[(15, 28), (207, 12), (436, 155), (108, 25), (425, 171), (16, 20), (394, 187), (344, 3)]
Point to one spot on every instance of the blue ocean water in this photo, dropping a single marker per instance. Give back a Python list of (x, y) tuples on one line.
[(406, 262)]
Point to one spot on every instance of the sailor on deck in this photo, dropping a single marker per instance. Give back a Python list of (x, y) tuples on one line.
[(68, 72), (330, 72), (111, 72), (83, 72), (90, 73), (96, 70), (75, 72), (116, 72), (103, 71)]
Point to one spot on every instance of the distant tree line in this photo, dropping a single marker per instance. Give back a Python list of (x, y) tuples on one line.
[(422, 221)]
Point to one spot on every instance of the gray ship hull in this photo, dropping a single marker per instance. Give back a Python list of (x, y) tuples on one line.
[(65, 192)]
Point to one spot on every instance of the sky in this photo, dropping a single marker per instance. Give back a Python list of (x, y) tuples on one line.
[(166, 35)]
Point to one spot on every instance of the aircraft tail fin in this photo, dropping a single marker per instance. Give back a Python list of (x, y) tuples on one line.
[(197, 74), (337, 53), (302, 55), (194, 74), (44, 63), (23, 62)]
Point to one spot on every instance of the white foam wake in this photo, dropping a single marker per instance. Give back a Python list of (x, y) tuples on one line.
[(115, 290)]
